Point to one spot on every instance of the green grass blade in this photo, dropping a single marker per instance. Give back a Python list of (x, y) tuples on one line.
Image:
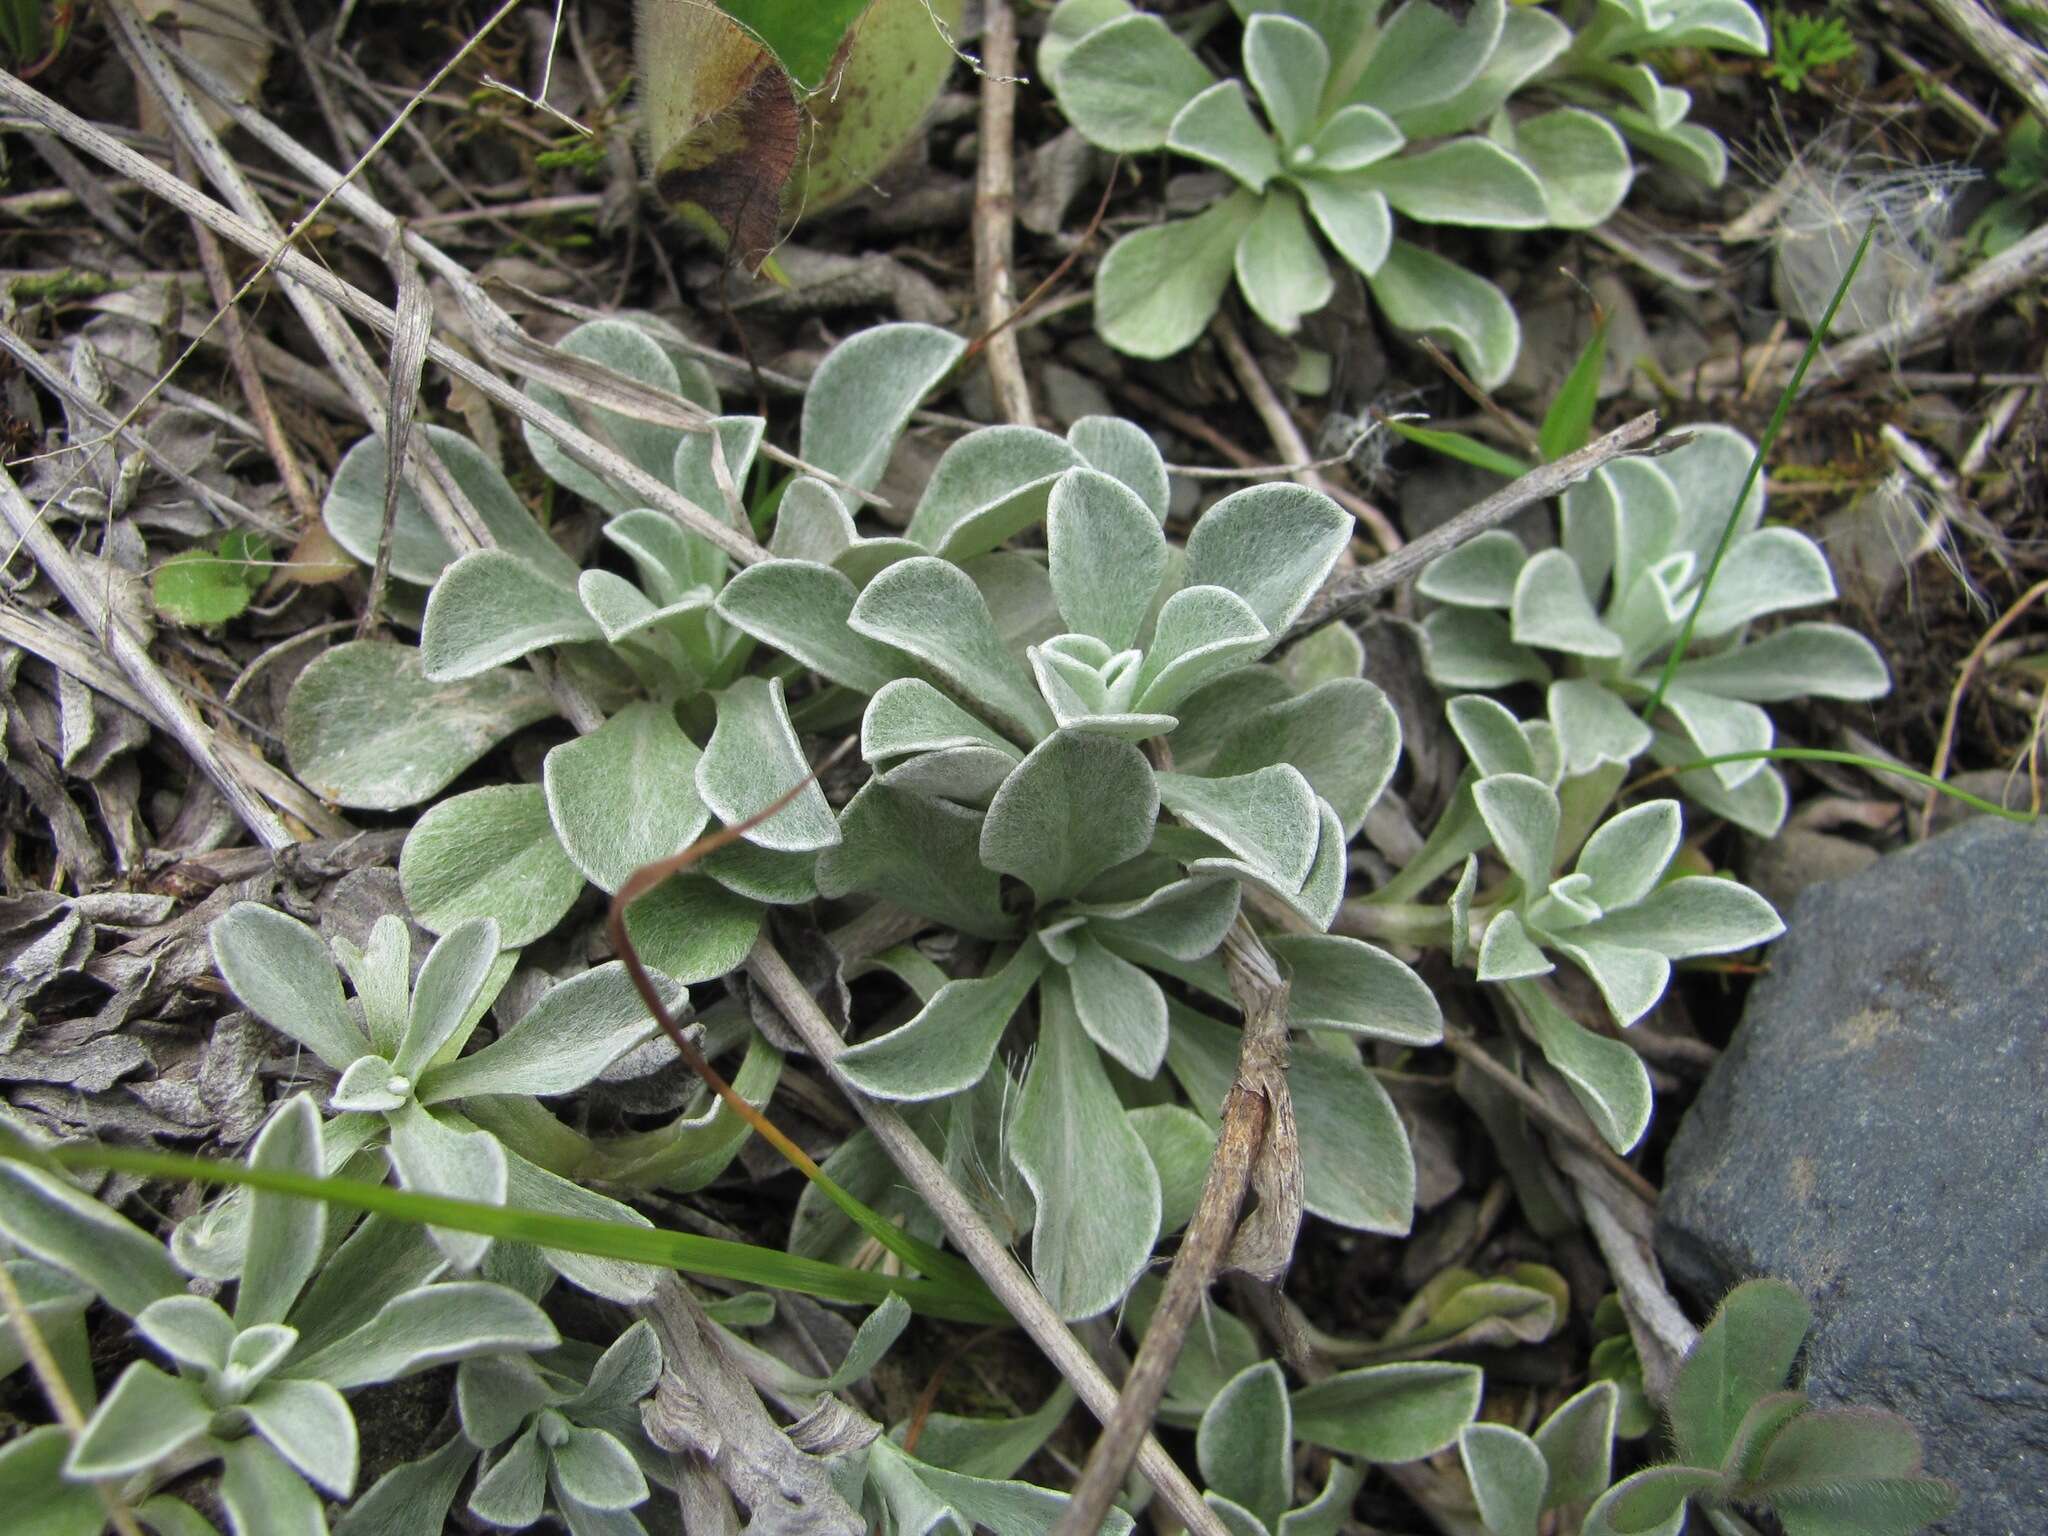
[(1858, 760), (1756, 468), (1466, 450), (744, 1262), (1568, 424)]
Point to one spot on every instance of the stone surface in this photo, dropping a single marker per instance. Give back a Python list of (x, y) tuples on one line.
[(1877, 1134)]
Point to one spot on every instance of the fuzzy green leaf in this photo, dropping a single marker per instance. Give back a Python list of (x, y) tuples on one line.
[(864, 392), (1389, 1413), (1157, 288), (753, 759), (624, 795), (1124, 82), (491, 607), (1078, 804), (489, 853)]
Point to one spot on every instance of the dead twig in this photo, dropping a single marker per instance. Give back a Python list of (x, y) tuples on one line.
[(131, 655), (1287, 438), (1348, 591), (995, 213), (1257, 1107), (2004, 54), (971, 1234)]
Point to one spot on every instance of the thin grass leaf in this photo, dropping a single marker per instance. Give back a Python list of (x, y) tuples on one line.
[(1466, 450), (946, 1298), (1858, 760), (1756, 468), (1568, 424)]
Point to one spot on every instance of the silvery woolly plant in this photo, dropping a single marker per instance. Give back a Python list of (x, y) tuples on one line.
[(319, 1310), (448, 1123), (1011, 801), (1594, 620), (1510, 117), (1740, 1438)]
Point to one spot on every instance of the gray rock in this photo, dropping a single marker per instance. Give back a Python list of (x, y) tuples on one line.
[(1877, 1134)]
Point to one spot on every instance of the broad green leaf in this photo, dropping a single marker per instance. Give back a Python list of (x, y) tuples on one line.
[(1354, 218), (436, 1159), (1272, 545), (363, 726), (1480, 573), (986, 487), (1342, 734), (1469, 181), (147, 1416), (1529, 40), (1181, 1144), (32, 1486), (1078, 804), (1389, 1413), (1508, 1477), (1340, 983), (803, 38), (1426, 55), (1606, 1076), (1892, 1506), (1125, 452), (626, 348), (1070, 21), (1577, 1442), (1472, 648), (1202, 634), (947, 1047), (1217, 127), (354, 510), (801, 609), (428, 1326), (1764, 572), (692, 1150), (1186, 919), (1594, 726), (1330, 1511), (1245, 1445), (1107, 556), (1349, 139), (489, 853), (1522, 815), (202, 589), (1832, 1445), (930, 610), (691, 929), (281, 971), (910, 716), (1796, 662), (1581, 164), (1268, 817), (513, 1492), (1629, 854), (1123, 83), (1652, 1502), (263, 1493), (1550, 609), (920, 853), (1422, 292), (1120, 1007), (753, 759), (1280, 271), (973, 1502), (448, 996), (624, 795), (592, 1468), (285, 1235), (671, 561), (1696, 915), (1630, 980), (1746, 1352), (577, 1029), (863, 393), (992, 1447), (412, 1496), (491, 607), (52, 1220), (1157, 289), (1288, 66), (1097, 1192), (309, 1425)]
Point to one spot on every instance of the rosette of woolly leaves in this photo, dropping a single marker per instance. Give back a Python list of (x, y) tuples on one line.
[(1742, 1437), (1604, 68), (1617, 915), (662, 771), (258, 1387), (558, 1432), (1594, 620), (1357, 121), (1018, 761), (402, 1081)]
